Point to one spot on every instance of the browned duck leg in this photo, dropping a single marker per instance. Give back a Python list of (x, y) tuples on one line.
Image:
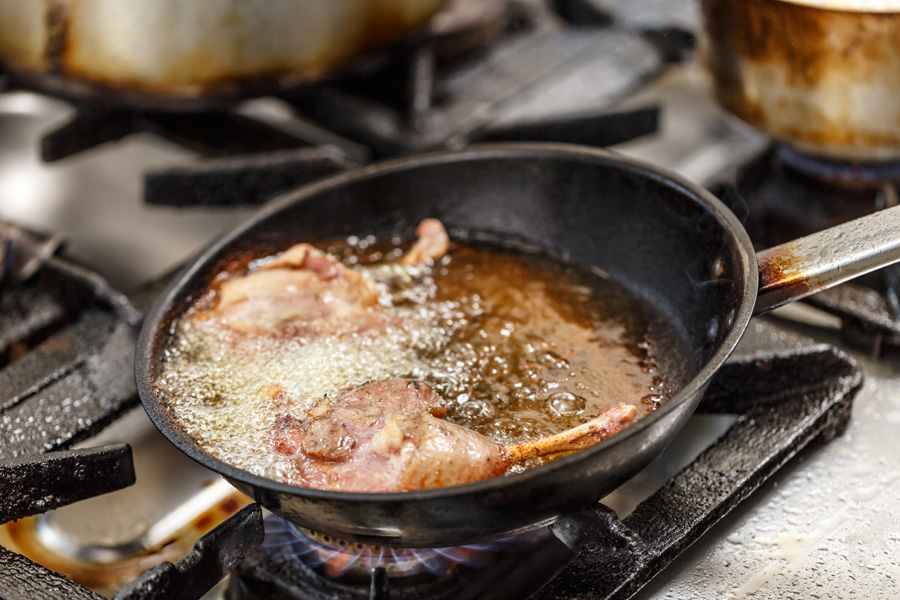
[(449, 454), (390, 436)]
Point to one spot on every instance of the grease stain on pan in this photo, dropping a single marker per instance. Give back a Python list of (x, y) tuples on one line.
[(782, 277)]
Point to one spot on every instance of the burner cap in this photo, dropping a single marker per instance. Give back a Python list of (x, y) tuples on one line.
[(845, 174)]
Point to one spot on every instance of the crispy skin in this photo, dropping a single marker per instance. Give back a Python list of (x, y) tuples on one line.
[(305, 292), (433, 243), (446, 454), (391, 437), (383, 437)]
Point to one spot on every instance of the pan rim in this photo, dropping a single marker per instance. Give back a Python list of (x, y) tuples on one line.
[(163, 421)]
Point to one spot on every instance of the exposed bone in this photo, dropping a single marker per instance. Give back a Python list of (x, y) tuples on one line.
[(432, 244), (607, 423)]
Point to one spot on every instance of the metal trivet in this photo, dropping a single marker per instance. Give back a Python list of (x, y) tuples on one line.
[(243, 160), (781, 195), (66, 372), (543, 80), (668, 24), (783, 403), (68, 340)]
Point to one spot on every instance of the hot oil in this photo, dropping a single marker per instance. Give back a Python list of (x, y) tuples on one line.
[(537, 345), (518, 344)]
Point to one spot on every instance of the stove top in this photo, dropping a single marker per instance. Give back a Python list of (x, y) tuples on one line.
[(820, 526), (781, 403)]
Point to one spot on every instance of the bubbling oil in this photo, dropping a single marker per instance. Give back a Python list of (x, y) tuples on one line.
[(518, 344)]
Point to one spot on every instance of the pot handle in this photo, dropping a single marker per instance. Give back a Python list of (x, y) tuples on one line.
[(796, 269)]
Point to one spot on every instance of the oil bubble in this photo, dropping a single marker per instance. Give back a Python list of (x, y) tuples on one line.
[(566, 403)]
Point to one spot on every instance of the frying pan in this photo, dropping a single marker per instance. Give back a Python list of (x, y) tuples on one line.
[(667, 240)]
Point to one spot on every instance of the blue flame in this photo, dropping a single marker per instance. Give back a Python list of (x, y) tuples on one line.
[(339, 556)]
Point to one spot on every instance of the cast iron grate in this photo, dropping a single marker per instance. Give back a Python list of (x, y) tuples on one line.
[(783, 403), (66, 372), (242, 159), (781, 195), (68, 342), (541, 80)]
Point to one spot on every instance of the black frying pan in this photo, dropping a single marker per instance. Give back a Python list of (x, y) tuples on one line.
[(666, 239)]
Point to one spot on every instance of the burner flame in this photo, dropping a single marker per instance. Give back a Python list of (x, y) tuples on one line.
[(342, 558)]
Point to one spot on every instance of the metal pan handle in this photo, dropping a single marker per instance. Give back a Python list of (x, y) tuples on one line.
[(796, 269)]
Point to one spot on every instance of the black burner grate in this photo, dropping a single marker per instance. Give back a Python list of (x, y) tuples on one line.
[(66, 371), (540, 83), (69, 342), (783, 402), (243, 160)]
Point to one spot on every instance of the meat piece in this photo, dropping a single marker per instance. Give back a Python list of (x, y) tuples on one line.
[(390, 436), (370, 421), (440, 453), (433, 243), (307, 292), (304, 291)]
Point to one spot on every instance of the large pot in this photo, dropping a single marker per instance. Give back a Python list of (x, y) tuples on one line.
[(822, 75), (191, 48)]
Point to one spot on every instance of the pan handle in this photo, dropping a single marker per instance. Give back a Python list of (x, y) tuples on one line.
[(796, 269)]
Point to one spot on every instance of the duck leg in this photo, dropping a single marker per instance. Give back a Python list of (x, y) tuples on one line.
[(432, 243)]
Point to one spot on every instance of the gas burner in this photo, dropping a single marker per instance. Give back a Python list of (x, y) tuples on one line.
[(783, 403), (839, 173), (340, 558), (336, 558), (297, 563)]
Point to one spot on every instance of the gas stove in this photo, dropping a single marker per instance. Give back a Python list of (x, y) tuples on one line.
[(797, 512)]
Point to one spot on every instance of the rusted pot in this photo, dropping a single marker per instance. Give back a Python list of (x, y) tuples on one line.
[(821, 75), (190, 48)]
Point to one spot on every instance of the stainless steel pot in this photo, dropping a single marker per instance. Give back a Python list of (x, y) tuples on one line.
[(822, 75), (189, 48)]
